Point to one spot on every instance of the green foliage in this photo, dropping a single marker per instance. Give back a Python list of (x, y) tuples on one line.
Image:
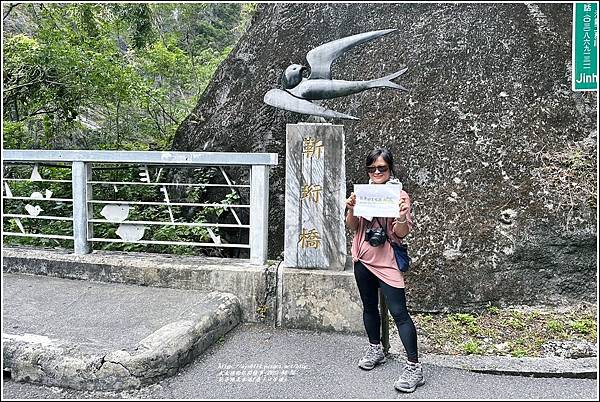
[(505, 332), (492, 309), (110, 76), (426, 318), (463, 319), (15, 135), (472, 347), (583, 326), (516, 324), (518, 352), (138, 20), (555, 326)]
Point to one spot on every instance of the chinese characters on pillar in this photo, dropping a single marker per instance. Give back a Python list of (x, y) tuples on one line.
[(311, 193), (310, 238), (310, 146)]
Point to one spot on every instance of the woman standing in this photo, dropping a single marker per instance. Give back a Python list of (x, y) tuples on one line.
[(375, 267)]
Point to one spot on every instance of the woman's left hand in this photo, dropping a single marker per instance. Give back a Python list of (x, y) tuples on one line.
[(404, 207)]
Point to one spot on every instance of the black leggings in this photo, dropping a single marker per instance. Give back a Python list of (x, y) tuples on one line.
[(395, 298)]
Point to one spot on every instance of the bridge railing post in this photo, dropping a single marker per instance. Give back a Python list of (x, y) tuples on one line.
[(259, 213), (80, 171)]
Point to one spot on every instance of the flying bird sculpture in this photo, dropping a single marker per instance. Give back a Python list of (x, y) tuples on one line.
[(298, 91)]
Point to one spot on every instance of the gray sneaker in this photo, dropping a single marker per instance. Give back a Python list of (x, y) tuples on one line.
[(372, 357), (411, 377)]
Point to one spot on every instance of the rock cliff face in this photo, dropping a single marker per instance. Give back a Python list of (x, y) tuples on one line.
[(495, 149)]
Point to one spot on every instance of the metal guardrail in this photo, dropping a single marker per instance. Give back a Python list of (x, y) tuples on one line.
[(82, 165)]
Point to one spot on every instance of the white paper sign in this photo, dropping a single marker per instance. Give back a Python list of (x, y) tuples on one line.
[(381, 200)]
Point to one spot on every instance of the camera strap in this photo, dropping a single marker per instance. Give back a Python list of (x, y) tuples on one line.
[(379, 223)]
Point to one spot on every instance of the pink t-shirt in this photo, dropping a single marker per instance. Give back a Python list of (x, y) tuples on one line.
[(380, 260)]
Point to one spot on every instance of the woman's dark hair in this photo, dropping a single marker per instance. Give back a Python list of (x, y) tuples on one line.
[(385, 153)]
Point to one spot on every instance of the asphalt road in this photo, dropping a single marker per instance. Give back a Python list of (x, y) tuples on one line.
[(257, 362)]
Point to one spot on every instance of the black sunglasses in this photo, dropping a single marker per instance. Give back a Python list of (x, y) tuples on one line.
[(381, 169)]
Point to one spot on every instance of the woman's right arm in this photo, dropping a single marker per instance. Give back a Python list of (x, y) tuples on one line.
[(351, 220)]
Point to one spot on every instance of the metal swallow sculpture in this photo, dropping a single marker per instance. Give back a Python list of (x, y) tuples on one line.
[(298, 91)]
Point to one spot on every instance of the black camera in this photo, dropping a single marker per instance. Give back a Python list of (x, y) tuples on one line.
[(375, 237)]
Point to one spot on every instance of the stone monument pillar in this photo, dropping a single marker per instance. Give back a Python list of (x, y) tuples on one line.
[(315, 194)]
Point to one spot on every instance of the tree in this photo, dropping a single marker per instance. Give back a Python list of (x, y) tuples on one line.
[(109, 76)]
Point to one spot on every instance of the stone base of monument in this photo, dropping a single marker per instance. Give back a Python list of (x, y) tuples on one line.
[(315, 235), (320, 300)]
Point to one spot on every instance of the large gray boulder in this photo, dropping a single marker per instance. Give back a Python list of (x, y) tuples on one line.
[(495, 149)]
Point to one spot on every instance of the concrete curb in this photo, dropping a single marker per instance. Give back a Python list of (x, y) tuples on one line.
[(38, 359), (523, 366)]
